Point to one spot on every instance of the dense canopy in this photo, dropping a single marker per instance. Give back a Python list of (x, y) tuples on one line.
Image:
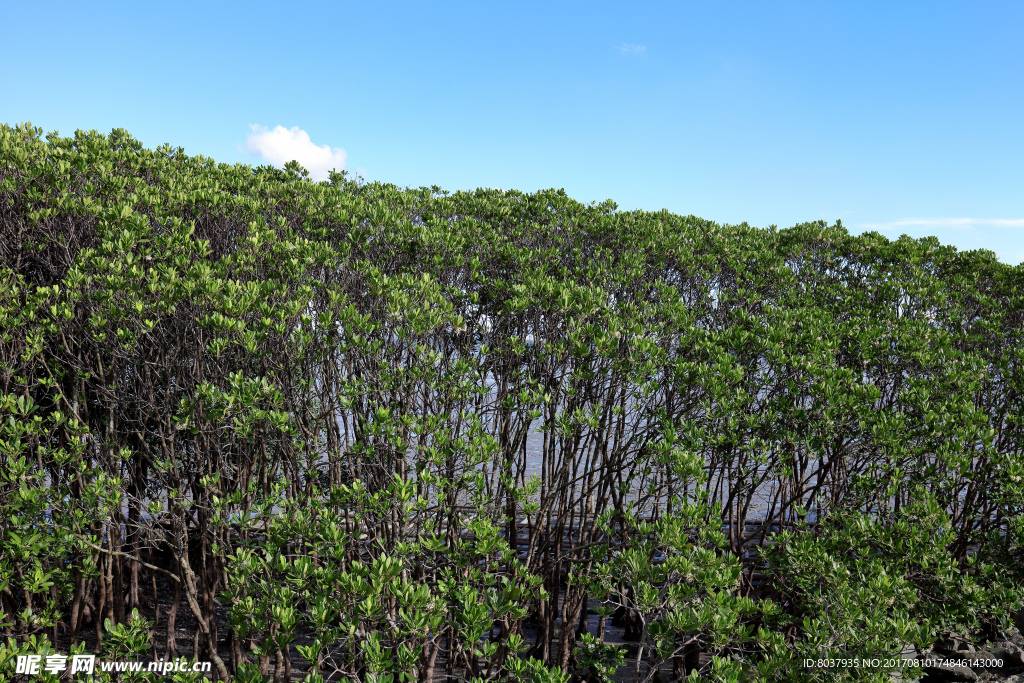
[(358, 431)]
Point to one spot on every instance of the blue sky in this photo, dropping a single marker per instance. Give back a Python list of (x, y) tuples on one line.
[(901, 117)]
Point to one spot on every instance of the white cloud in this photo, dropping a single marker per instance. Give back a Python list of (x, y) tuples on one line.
[(281, 145), (956, 223), (627, 48)]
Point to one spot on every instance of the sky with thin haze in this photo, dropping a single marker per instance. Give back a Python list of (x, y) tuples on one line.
[(900, 117)]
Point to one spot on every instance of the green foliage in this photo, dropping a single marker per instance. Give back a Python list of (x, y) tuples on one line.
[(864, 587), (596, 661), (381, 432)]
